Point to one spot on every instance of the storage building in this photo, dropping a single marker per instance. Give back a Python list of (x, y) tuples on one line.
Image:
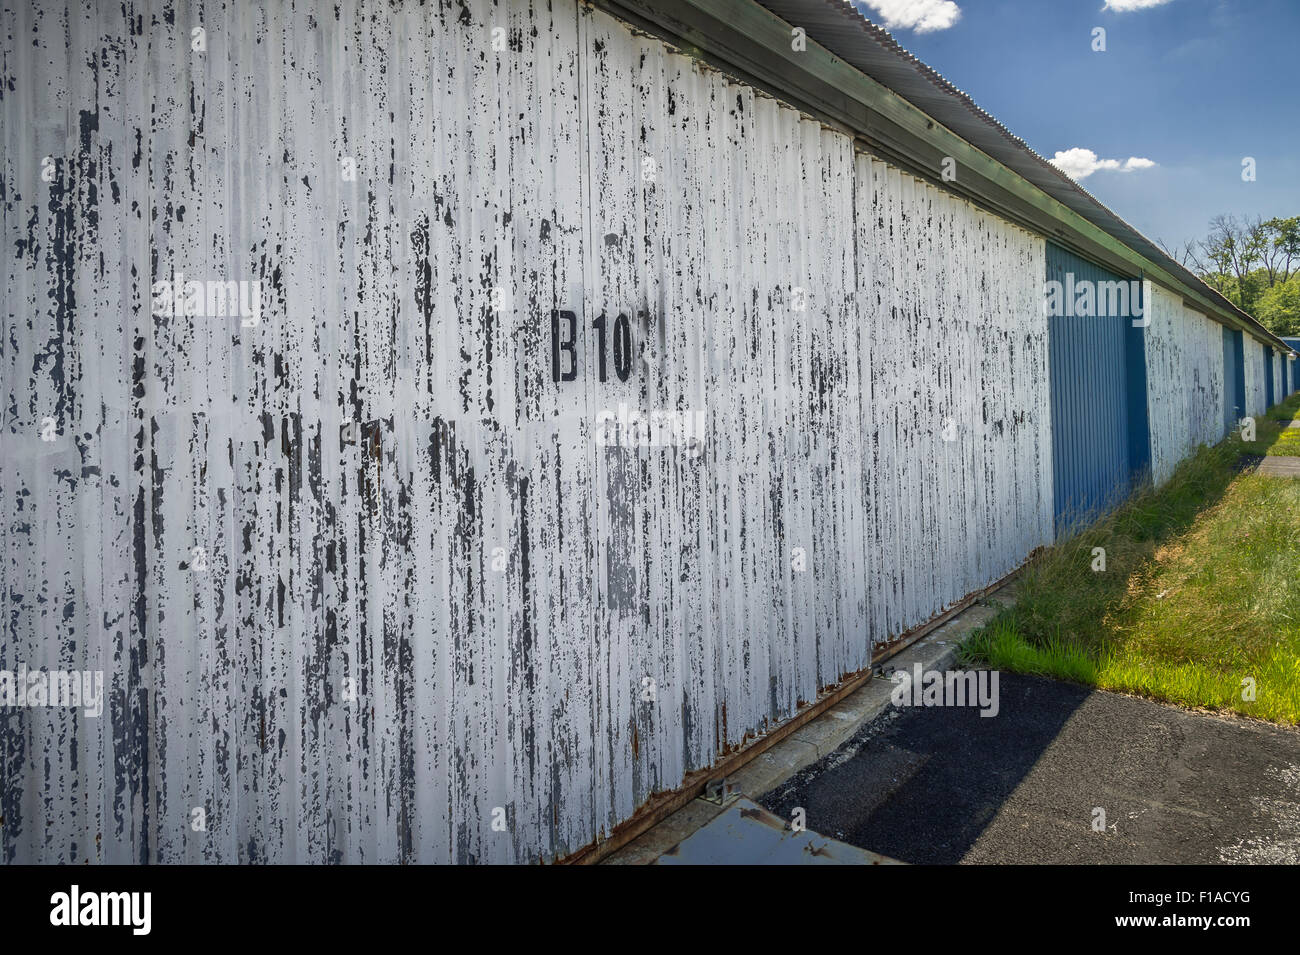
[(454, 431)]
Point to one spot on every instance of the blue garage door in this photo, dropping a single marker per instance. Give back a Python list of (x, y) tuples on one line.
[(1269, 400), (1292, 372), (1100, 437), (1234, 380)]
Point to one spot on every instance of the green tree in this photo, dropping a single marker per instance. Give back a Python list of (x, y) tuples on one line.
[(1251, 262), (1278, 308), (1234, 248), (1281, 248)]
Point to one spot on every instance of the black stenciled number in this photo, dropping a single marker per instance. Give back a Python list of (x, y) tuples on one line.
[(622, 349), (599, 326), (557, 345), (567, 342)]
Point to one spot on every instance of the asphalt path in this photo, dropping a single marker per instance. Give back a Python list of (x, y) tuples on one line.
[(945, 785)]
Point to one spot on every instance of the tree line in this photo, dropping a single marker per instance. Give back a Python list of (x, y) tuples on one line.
[(1253, 262)]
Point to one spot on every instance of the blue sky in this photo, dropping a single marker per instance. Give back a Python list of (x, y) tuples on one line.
[(1192, 85)]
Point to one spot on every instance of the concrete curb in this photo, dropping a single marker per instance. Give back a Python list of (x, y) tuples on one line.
[(937, 650)]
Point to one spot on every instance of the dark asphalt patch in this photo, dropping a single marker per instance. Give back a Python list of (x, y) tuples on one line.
[(945, 785)]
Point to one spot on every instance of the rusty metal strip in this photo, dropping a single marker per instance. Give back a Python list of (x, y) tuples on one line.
[(895, 647), (663, 805)]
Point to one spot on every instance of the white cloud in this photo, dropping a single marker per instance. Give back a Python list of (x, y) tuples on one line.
[(1079, 163), (923, 16), (1124, 6)]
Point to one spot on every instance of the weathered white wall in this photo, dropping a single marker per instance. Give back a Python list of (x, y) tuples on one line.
[(352, 678), (1253, 360), (951, 304), (1184, 360)]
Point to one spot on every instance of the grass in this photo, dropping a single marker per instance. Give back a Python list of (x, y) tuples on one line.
[(1272, 434), (1288, 443), (1200, 592)]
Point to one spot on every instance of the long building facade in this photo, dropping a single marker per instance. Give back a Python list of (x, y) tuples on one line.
[(444, 428)]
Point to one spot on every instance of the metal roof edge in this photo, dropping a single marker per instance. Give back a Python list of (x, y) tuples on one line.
[(962, 115), (844, 77)]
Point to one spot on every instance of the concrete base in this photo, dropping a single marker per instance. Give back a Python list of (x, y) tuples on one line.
[(937, 650), (1276, 465)]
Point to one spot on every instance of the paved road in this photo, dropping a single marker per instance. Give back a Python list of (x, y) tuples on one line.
[(944, 785), (1280, 465)]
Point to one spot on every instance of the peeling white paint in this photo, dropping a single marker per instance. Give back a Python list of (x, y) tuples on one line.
[(1185, 381), (456, 609), (1253, 359)]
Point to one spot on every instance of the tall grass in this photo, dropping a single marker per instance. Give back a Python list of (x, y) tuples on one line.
[(1200, 594), (1273, 435)]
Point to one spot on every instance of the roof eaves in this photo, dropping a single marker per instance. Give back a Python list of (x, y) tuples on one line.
[(842, 28)]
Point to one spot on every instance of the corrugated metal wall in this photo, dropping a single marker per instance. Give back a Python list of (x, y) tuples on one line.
[(385, 638), (957, 403), (1292, 384), (1291, 372), (1185, 381), (1099, 428), (1253, 368)]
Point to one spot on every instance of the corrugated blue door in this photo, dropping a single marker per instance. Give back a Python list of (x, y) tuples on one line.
[(1239, 357), (1292, 372), (1100, 437), (1269, 400), (1233, 386)]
